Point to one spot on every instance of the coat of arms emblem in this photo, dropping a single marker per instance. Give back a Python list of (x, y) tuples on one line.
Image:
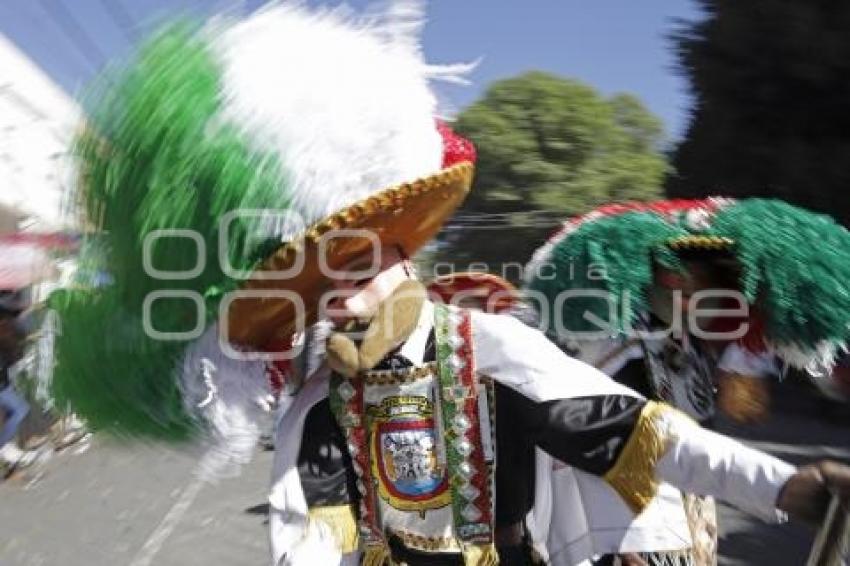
[(404, 450)]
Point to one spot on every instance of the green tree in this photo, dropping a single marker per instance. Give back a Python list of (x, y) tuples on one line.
[(771, 82), (548, 148)]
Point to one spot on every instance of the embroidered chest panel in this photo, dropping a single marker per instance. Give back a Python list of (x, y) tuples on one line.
[(404, 451), (422, 444)]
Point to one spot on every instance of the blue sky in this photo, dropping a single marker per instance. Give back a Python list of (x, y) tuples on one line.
[(614, 45)]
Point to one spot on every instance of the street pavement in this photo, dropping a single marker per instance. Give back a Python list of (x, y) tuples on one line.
[(120, 503)]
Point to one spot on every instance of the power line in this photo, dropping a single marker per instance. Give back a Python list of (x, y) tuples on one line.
[(532, 212), (78, 36), (528, 218), (450, 228)]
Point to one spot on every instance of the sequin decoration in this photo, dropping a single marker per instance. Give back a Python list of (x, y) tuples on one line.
[(470, 474), (455, 148)]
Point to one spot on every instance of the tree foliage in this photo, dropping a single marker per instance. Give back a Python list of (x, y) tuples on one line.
[(771, 79), (548, 148)]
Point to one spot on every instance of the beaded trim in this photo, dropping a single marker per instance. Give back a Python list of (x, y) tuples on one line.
[(458, 420), (428, 544), (700, 242), (470, 475), (346, 400), (384, 202), (408, 215), (400, 376)]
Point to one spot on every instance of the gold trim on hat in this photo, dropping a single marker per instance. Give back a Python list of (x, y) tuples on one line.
[(700, 242), (407, 216)]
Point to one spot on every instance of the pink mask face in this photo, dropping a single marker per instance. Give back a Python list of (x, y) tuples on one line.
[(361, 290)]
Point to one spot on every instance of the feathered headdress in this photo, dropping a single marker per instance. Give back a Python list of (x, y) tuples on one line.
[(794, 266), (226, 151)]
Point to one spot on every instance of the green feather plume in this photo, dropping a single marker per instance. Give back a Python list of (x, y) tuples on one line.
[(795, 266), (611, 254), (156, 156)]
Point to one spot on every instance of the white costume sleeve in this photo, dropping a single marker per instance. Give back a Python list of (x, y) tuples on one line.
[(295, 540), (525, 360), (688, 457), (231, 397), (579, 516), (609, 355), (704, 462)]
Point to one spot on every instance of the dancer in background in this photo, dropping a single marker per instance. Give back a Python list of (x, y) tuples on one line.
[(13, 408), (662, 267)]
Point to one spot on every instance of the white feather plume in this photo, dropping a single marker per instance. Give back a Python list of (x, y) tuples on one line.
[(817, 361), (229, 396), (343, 100)]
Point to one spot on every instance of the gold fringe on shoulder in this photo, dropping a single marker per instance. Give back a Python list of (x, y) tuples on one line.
[(343, 525), (633, 474), (480, 555), (376, 555)]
